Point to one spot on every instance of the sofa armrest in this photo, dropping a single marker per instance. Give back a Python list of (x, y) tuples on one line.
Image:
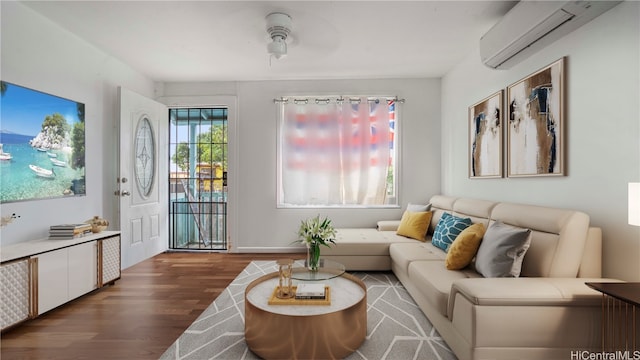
[(388, 225), (526, 292)]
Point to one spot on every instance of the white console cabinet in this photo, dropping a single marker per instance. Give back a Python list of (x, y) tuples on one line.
[(40, 275), (66, 274)]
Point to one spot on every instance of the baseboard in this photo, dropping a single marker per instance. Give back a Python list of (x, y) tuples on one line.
[(267, 250)]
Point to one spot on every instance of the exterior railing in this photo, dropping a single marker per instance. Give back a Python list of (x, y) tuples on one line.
[(199, 225)]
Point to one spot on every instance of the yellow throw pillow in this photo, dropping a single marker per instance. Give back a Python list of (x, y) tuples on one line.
[(464, 247), (414, 224)]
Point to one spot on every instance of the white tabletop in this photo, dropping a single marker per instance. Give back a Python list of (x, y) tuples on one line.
[(344, 293), (34, 247)]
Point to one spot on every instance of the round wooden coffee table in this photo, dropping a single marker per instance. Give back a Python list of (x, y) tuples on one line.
[(306, 331)]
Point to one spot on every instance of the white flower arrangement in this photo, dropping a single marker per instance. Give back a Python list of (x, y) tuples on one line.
[(316, 231)]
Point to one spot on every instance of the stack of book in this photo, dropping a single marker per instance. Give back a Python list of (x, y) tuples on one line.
[(310, 291), (68, 231)]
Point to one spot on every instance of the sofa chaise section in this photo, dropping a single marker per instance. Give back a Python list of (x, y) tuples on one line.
[(363, 249)]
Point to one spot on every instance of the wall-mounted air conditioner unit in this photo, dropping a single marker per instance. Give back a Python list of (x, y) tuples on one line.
[(531, 25)]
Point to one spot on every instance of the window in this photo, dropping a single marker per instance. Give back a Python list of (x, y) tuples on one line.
[(337, 151)]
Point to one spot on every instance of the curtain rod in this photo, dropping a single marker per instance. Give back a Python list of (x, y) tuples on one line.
[(339, 100)]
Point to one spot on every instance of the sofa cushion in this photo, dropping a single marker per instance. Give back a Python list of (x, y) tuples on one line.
[(502, 250), (464, 247), (365, 241), (435, 281), (479, 211), (558, 237), (402, 254), (414, 224), (448, 228)]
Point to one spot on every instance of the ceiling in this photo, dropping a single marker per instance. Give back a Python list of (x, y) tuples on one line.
[(226, 40)]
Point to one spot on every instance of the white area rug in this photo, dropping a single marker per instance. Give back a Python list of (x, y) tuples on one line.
[(396, 328)]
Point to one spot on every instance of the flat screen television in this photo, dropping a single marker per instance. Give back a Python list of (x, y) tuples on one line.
[(42, 145)]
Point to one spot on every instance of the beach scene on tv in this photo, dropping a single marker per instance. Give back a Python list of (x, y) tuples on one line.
[(42, 145)]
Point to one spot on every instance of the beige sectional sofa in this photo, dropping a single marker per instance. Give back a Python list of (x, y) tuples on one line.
[(546, 313)]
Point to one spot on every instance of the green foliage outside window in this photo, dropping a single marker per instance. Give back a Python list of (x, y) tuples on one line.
[(211, 148)]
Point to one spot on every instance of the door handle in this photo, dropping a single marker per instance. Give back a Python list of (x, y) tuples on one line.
[(125, 193)]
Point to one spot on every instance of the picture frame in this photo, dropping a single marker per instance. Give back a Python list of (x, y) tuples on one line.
[(42, 145), (535, 134), (485, 137)]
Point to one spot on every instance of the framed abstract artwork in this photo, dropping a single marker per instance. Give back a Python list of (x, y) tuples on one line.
[(535, 132), (485, 137)]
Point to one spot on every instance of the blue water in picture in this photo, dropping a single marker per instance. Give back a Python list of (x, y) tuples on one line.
[(31, 117), (18, 181)]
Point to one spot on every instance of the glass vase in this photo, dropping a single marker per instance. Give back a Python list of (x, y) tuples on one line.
[(313, 257)]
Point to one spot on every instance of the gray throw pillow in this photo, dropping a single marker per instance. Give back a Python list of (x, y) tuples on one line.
[(418, 207), (502, 250)]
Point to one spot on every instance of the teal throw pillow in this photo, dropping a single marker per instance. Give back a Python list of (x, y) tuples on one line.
[(448, 229)]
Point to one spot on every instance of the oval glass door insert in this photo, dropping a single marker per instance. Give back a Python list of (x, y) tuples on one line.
[(144, 156)]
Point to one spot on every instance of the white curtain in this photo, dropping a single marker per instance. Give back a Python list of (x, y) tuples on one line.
[(335, 153)]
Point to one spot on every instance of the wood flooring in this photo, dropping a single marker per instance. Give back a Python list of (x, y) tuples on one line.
[(137, 318)]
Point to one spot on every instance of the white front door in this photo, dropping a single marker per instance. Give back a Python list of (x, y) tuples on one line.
[(143, 177)]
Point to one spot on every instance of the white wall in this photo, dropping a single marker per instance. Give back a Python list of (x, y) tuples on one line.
[(39, 54), (263, 227), (602, 131)]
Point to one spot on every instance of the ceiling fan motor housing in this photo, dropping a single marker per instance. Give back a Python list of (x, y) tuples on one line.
[(278, 27)]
